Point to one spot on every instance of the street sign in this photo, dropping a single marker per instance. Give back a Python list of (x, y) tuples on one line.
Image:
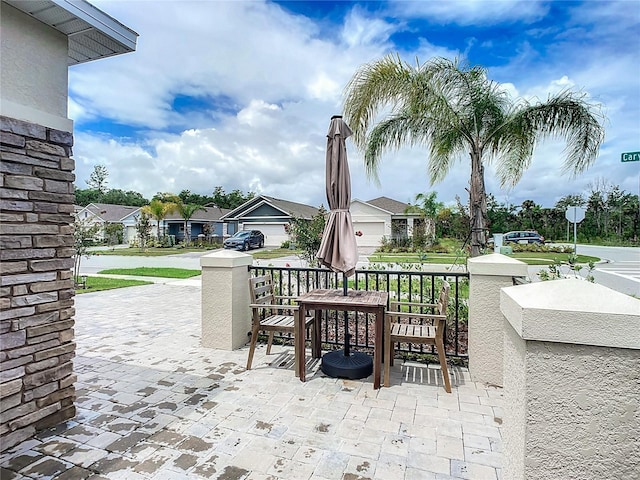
[(575, 214), (630, 157)]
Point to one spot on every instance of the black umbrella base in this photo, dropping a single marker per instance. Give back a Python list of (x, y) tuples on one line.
[(354, 366)]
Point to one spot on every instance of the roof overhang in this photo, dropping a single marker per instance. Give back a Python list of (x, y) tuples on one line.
[(92, 33)]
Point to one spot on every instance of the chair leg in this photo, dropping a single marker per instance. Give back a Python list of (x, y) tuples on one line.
[(443, 365), (252, 346), (314, 347), (270, 342), (388, 349)]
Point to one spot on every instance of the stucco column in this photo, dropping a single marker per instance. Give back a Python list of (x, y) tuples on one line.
[(571, 381), (226, 316), (487, 275)]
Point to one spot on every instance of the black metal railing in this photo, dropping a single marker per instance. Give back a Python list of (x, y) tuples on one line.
[(414, 286)]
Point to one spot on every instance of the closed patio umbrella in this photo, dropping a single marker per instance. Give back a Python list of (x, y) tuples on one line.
[(338, 249)]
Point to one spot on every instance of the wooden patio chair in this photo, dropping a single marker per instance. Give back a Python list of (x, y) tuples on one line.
[(414, 327), (271, 315)]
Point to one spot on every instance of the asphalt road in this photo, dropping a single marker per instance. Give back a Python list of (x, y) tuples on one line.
[(619, 269)]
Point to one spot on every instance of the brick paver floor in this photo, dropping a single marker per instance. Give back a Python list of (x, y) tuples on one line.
[(153, 404)]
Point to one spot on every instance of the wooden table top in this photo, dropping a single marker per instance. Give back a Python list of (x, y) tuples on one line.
[(354, 298)]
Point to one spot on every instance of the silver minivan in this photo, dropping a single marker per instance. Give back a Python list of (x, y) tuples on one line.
[(523, 236)]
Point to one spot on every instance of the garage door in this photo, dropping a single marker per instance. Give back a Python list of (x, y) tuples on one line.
[(274, 233), (372, 233)]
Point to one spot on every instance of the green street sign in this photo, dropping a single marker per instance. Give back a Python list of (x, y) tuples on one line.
[(630, 157)]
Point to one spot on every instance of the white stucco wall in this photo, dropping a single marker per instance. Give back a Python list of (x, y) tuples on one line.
[(33, 71), (226, 316), (571, 382), (487, 275)]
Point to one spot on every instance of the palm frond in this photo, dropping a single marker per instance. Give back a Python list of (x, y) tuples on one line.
[(565, 115)]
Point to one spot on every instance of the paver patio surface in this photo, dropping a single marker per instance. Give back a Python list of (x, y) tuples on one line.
[(153, 404)]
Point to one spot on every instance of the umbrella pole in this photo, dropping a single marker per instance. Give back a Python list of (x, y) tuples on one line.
[(344, 284)]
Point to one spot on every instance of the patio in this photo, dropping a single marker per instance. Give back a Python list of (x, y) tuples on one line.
[(153, 404)]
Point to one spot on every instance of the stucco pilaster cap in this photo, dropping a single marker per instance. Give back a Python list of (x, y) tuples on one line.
[(497, 264), (572, 311), (226, 259)]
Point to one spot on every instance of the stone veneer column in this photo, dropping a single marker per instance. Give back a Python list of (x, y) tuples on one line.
[(571, 382), (487, 275), (36, 285), (226, 316)]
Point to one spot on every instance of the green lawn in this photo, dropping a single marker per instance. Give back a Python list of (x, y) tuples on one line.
[(274, 253), (97, 284), (530, 258), (163, 272), (152, 252)]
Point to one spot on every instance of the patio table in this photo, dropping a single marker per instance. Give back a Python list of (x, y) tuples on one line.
[(355, 301)]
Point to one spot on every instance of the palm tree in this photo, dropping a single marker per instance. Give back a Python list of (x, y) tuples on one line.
[(159, 210), (454, 108), (427, 206), (186, 211)]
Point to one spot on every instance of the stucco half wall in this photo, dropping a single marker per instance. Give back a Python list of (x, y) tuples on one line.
[(571, 382)]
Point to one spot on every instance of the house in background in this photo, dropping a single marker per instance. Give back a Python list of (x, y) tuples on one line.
[(269, 215), (207, 222), (381, 218), (103, 214)]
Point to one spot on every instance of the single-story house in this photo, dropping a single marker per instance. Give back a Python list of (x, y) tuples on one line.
[(269, 215), (205, 222), (381, 218), (104, 213)]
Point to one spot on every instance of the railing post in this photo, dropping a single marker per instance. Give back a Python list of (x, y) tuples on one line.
[(487, 275), (226, 316), (571, 381)]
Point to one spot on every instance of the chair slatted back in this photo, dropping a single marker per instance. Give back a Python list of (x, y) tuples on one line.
[(262, 290)]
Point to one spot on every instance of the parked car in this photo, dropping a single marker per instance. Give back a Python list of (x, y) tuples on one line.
[(528, 236), (245, 239)]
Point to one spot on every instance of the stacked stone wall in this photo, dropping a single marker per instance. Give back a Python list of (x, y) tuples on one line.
[(36, 285)]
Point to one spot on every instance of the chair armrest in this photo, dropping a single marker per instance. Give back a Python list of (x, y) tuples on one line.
[(273, 306)]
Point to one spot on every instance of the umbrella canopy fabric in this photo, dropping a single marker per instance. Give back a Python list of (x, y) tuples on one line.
[(338, 249)]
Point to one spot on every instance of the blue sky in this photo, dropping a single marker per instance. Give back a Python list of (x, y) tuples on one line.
[(240, 93)]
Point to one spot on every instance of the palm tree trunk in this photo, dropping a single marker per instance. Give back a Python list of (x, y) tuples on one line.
[(478, 205)]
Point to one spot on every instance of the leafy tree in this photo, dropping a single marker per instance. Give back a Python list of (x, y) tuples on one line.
[(84, 233), (158, 210), (187, 197), (116, 196), (186, 212), (98, 179), (87, 196), (501, 217), (143, 227), (114, 233), (530, 212), (454, 108), (230, 200), (427, 206), (307, 234)]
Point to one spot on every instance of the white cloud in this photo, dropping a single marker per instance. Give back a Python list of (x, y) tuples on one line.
[(472, 12), (265, 83)]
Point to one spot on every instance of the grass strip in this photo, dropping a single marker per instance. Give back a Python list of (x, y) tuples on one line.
[(97, 284), (530, 258), (152, 252), (274, 253), (163, 272)]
